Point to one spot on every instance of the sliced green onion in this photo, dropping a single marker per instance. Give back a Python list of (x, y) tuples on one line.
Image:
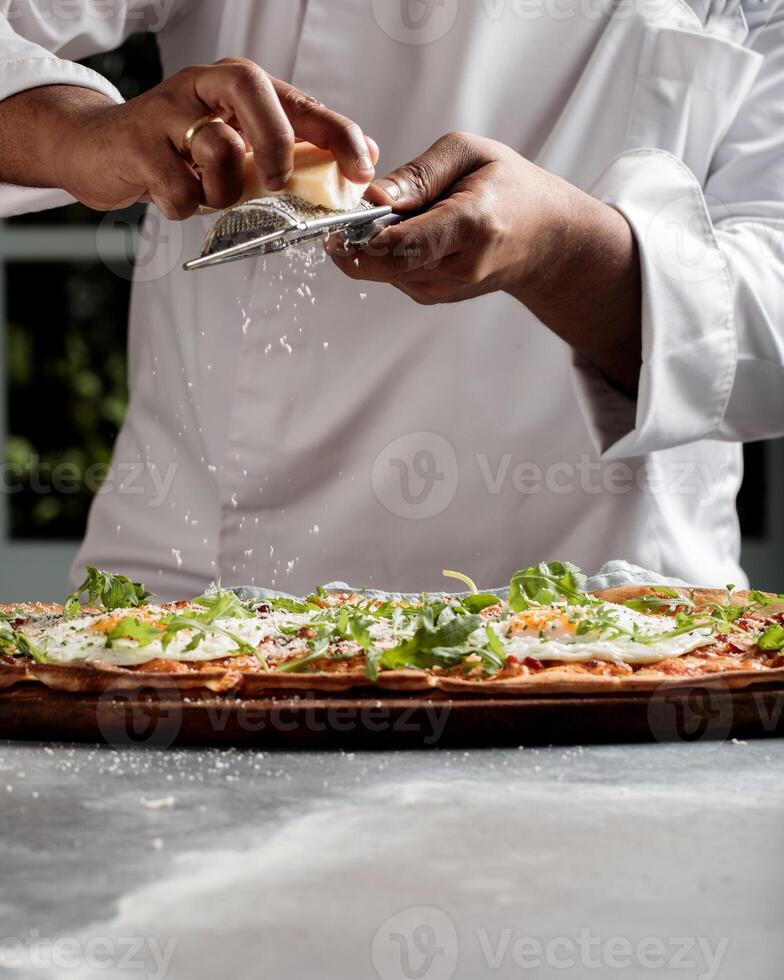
[(462, 578)]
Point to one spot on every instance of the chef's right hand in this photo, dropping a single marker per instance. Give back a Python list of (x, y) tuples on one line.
[(109, 155)]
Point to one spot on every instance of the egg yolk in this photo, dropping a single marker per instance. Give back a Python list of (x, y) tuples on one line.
[(107, 623), (536, 621)]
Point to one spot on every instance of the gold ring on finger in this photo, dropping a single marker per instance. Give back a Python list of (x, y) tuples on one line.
[(197, 127)]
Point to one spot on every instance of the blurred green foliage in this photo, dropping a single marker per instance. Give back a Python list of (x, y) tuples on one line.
[(65, 342), (67, 391)]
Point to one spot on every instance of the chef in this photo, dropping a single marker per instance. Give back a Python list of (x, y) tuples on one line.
[(558, 358)]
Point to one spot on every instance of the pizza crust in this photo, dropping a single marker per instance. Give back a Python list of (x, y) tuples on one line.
[(32, 608)]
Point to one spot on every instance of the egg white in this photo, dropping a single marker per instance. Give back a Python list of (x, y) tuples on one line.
[(73, 641), (559, 644)]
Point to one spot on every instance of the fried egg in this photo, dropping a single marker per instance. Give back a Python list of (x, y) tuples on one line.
[(599, 631), (70, 641)]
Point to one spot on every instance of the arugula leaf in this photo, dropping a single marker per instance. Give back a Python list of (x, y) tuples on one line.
[(759, 600), (223, 604), (405, 656), (726, 616), (772, 639), (133, 629), (546, 583), (107, 591), (495, 643), (7, 635), (432, 644), (665, 600), (283, 604), (476, 601), (359, 630), (493, 653), (21, 644), (201, 630), (354, 624), (481, 600), (372, 662), (317, 650), (29, 649), (72, 607)]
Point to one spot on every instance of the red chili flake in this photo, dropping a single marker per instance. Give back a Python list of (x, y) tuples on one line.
[(263, 608), (17, 624), (735, 647)]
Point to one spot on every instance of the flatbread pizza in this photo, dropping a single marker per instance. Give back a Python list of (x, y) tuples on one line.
[(545, 635)]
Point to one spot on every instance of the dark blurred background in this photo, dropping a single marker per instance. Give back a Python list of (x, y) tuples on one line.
[(65, 314)]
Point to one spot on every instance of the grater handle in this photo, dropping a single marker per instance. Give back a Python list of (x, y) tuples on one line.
[(365, 233)]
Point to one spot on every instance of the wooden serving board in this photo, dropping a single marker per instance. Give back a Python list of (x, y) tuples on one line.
[(389, 721)]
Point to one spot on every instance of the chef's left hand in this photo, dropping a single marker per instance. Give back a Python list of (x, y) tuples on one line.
[(496, 221)]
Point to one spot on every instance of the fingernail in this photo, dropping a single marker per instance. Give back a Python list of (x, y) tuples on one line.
[(279, 181), (335, 245), (365, 163), (389, 187)]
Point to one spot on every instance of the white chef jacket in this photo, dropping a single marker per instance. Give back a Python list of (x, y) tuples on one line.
[(290, 426)]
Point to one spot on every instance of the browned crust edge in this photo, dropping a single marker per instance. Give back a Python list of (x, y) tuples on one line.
[(31, 608)]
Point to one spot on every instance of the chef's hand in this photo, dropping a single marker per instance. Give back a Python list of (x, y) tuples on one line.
[(494, 222), (110, 155)]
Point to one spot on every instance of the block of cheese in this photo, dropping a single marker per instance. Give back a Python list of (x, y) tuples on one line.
[(316, 178)]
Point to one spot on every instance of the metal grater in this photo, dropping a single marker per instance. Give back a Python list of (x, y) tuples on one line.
[(274, 224)]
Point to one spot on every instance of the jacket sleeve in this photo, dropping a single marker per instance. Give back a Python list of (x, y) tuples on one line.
[(713, 282), (39, 38)]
